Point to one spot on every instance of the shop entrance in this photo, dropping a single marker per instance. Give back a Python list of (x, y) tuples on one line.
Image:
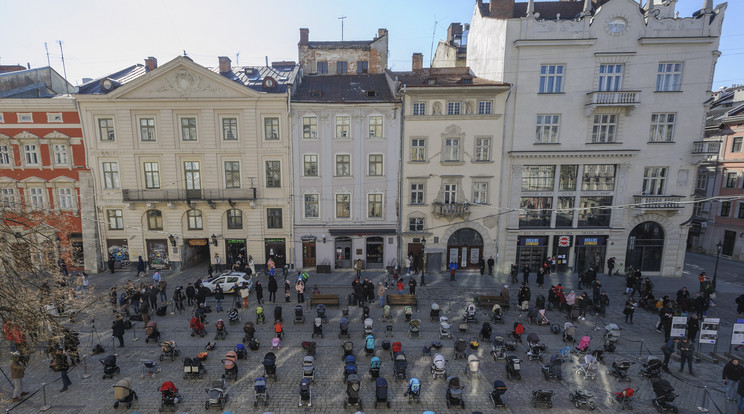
[(465, 246), (275, 249), (308, 254), (119, 248), (590, 251), (645, 247), (157, 254), (234, 247), (417, 251), (532, 251), (375, 252), (343, 252)]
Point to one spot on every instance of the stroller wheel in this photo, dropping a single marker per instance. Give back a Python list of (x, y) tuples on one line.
[(161, 357), (116, 404), (206, 405), (592, 406), (375, 404), (448, 403), (129, 405)]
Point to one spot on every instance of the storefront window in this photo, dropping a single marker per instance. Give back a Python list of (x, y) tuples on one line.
[(645, 247), (535, 211)]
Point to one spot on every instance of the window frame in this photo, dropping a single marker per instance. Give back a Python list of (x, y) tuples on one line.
[(449, 192), (454, 108), (610, 81), (9, 197), (65, 151), (725, 210), (603, 207), (6, 155), (274, 220), (375, 201), (106, 133), (450, 149), (36, 197), (276, 180), (547, 128), (362, 66), (343, 124), (308, 200), (195, 219), (416, 224), (154, 219), (731, 178), (669, 76), (600, 173), (342, 67), (66, 198), (537, 215), (736, 144), (229, 125), (418, 108), (480, 195), (418, 152), (234, 218), (111, 179), (480, 149), (551, 82), (417, 194), (337, 163), (740, 213), (321, 67), (232, 174), (663, 128), (568, 180), (657, 182), (376, 130), (541, 178), (485, 107), (376, 167), (151, 176), (115, 217), (31, 156), (312, 161), (272, 128), (701, 182), (193, 130), (605, 128), (149, 130), (309, 127), (564, 214), (343, 203)]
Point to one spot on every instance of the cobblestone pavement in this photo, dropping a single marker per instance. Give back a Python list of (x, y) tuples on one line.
[(94, 395)]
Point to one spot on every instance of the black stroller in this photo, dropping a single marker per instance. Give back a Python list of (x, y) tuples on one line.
[(123, 393), (260, 395), (109, 366), (553, 369), (400, 365), (343, 328), (233, 316), (454, 392), (374, 368), (535, 347), (460, 346), (348, 348), (486, 330), (664, 396), (620, 370), (317, 327), (350, 367), (306, 396), (217, 394), (250, 331), (320, 312), (277, 313), (152, 332), (581, 398), (299, 315), (469, 316), (499, 389), (381, 392), (352, 392), (540, 397), (434, 312), (512, 367), (652, 368), (193, 368), (269, 364)]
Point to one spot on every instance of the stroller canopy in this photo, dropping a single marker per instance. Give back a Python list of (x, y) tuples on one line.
[(414, 385), (168, 386), (499, 385), (375, 362), (662, 387), (532, 337), (370, 342)]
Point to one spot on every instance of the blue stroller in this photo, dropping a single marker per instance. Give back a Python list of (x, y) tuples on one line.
[(369, 345), (413, 391), (349, 366)]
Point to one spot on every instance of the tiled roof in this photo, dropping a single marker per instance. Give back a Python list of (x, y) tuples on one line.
[(438, 77), (123, 76), (371, 88), (253, 76)]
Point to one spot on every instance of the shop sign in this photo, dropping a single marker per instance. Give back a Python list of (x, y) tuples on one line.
[(197, 242), (564, 241), (709, 330)]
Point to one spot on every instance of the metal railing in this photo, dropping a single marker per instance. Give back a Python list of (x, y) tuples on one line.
[(184, 194), (450, 210), (648, 202), (706, 147)]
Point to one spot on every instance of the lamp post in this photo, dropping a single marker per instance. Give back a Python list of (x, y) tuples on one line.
[(423, 269), (719, 246)]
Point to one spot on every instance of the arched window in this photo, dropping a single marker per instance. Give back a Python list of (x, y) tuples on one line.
[(645, 247), (234, 219), (195, 219), (466, 237), (154, 220)]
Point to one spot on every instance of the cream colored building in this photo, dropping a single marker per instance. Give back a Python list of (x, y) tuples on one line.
[(191, 161)]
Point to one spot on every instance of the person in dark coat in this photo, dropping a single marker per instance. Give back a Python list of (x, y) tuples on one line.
[(491, 263), (359, 293), (219, 295), (540, 276), (482, 264), (178, 298), (111, 264), (514, 273), (259, 292), (117, 330), (693, 327), (190, 294), (604, 302), (637, 283), (287, 291), (523, 294), (701, 305), (60, 364), (144, 310), (152, 294), (369, 290), (412, 286), (141, 267), (526, 274), (272, 289), (201, 296), (740, 305)]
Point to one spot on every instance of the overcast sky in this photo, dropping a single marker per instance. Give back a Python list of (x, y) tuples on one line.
[(101, 36)]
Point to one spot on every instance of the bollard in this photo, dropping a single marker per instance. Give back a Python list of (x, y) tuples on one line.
[(134, 334), (46, 406), (703, 404), (85, 367)]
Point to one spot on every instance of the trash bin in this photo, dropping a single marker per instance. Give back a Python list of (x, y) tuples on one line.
[(352, 300)]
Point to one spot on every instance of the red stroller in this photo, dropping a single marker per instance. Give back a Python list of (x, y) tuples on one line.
[(197, 327), (169, 396)]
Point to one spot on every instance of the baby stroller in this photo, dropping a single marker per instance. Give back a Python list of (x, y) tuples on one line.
[(123, 393), (201, 313), (611, 336), (473, 365), (513, 367), (413, 329), (369, 345), (474, 344), (169, 350), (368, 326), (343, 328), (221, 332), (197, 327), (365, 312), (192, 368), (231, 365), (624, 398), (664, 396), (413, 391), (151, 330), (169, 396), (499, 389), (277, 313), (348, 348), (408, 313), (397, 347), (278, 329), (438, 368), (269, 364), (540, 397), (320, 312), (374, 367), (310, 347), (569, 332), (233, 316), (498, 348), (454, 392), (381, 392), (581, 398), (299, 315), (588, 369), (260, 395), (652, 368), (469, 316), (486, 330), (553, 369), (497, 314), (400, 365), (109, 366), (217, 394), (444, 328), (306, 396), (517, 332), (620, 370), (149, 368), (535, 347), (260, 314), (532, 315), (249, 330), (434, 312), (386, 314), (350, 366), (308, 368), (541, 318), (352, 392), (317, 327), (460, 347), (241, 351), (583, 346)]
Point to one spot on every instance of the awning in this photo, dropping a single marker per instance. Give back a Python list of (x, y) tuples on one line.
[(361, 232)]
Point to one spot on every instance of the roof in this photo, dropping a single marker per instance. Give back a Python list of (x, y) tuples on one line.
[(42, 82), (344, 44), (548, 9), (367, 88), (123, 76), (442, 77)]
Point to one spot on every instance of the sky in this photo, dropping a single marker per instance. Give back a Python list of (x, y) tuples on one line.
[(100, 37)]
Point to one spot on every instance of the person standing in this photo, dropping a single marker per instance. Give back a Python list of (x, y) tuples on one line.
[(628, 310), (514, 273), (482, 264), (740, 404), (400, 286), (17, 371), (141, 267), (217, 263), (540, 279), (408, 266), (252, 265), (161, 286), (244, 297), (178, 298), (272, 289), (668, 349), (259, 292), (111, 263), (526, 274), (610, 265), (152, 294), (570, 301), (79, 283), (685, 354), (358, 267), (60, 364), (287, 290), (491, 263), (190, 293), (596, 289), (219, 295), (381, 293), (411, 286), (144, 310), (300, 288), (732, 374), (693, 327), (604, 302), (117, 330), (156, 278)]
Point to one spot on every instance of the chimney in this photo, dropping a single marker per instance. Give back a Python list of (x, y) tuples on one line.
[(304, 35), (417, 61), (452, 30), (501, 9), (225, 64), (150, 64), (381, 33)]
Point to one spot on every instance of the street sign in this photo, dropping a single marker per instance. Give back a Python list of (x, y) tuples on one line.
[(709, 330), (737, 335), (679, 326)]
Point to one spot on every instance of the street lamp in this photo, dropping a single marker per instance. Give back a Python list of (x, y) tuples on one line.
[(719, 246), (214, 240), (423, 269)]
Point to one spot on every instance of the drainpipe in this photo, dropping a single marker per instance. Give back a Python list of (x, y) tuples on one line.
[(400, 172), (505, 172)]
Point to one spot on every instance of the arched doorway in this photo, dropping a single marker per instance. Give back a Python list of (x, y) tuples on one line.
[(645, 247), (343, 252), (465, 246)]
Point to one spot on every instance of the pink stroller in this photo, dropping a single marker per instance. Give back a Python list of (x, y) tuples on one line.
[(583, 346)]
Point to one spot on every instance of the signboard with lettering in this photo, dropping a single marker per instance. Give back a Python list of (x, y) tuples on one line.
[(679, 326), (709, 330), (737, 335), (564, 241)]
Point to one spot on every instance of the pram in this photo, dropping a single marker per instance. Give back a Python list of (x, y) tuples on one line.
[(260, 395), (169, 396), (413, 391), (151, 330), (588, 369), (553, 369), (109, 366), (221, 331), (400, 365), (123, 393), (381, 392), (149, 368), (169, 350), (306, 396), (652, 367), (197, 327), (620, 370), (486, 330), (540, 397), (454, 392), (469, 316), (444, 328), (460, 347), (413, 329), (193, 368), (299, 315), (317, 327), (343, 328), (308, 368), (541, 318), (517, 332), (532, 315), (310, 347), (386, 314), (583, 346), (611, 336), (260, 314), (499, 389), (581, 398), (498, 348), (512, 365), (241, 352), (365, 312), (397, 347), (474, 344), (408, 313), (233, 316), (664, 396), (368, 326), (352, 392), (473, 365), (438, 368), (231, 365), (569, 332), (277, 313), (497, 314), (249, 330), (369, 345), (320, 312), (269, 364), (374, 367), (217, 394), (535, 347), (434, 312), (348, 348), (624, 398), (350, 366), (278, 329)]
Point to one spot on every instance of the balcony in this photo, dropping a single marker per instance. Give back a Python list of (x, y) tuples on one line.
[(450, 210), (649, 202), (207, 194), (706, 147), (602, 99)]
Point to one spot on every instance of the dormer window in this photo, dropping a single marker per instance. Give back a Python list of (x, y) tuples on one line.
[(371, 93), (316, 93), (431, 81), (467, 81)]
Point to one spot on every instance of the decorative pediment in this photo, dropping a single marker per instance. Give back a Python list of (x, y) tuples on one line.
[(3, 136), (26, 135), (453, 131), (61, 179), (33, 179), (56, 135)]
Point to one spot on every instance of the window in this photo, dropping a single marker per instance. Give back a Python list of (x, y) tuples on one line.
[(5, 155), (26, 117), (7, 197), (374, 205), (375, 127), (567, 179), (195, 219), (697, 208), (418, 150), (595, 211), (310, 127), (482, 149), (731, 179), (610, 77), (551, 79), (362, 66), (106, 129), (343, 205), (538, 177), (701, 182), (484, 107), (452, 149), (273, 174), (662, 128), (546, 130), (604, 128), (232, 174), (417, 193), (271, 128), (234, 219), (419, 108), (110, 175), (31, 154), (2, 117), (342, 127), (453, 108), (60, 154), (480, 192), (375, 165), (725, 208), (311, 205), (598, 177), (115, 219), (192, 175), (188, 129), (736, 144), (450, 194), (54, 117), (230, 129), (152, 175), (147, 129), (535, 211), (669, 77), (36, 198), (343, 165), (274, 218), (311, 165), (416, 224), (65, 199), (322, 68), (564, 212), (653, 180), (154, 220), (741, 211), (342, 67)]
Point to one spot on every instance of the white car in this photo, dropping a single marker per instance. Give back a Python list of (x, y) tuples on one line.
[(227, 281)]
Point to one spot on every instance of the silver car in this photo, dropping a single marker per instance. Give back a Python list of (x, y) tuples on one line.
[(227, 281)]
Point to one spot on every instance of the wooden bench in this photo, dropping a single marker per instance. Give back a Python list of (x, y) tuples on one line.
[(487, 302), (405, 300), (328, 300)]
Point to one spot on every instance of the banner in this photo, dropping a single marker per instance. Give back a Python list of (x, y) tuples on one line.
[(737, 335), (679, 326), (709, 330)]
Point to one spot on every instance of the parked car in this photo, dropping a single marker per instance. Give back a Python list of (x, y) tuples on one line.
[(227, 281)]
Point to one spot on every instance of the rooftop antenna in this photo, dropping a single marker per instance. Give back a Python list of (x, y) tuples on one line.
[(185, 54), (237, 59), (64, 68), (342, 27), (47, 52)]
